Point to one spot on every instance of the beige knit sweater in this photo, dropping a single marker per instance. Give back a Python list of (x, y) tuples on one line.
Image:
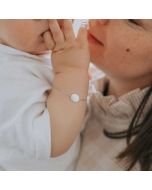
[(99, 152)]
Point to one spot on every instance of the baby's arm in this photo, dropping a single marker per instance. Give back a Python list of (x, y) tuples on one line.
[(70, 59)]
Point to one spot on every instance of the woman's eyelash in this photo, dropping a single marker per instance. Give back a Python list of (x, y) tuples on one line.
[(133, 21)]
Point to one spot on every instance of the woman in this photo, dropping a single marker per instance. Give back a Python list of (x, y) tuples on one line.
[(118, 133)]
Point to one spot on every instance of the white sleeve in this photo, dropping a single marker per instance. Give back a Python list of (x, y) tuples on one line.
[(25, 128), (32, 132)]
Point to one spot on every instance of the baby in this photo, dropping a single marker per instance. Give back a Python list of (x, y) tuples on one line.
[(41, 109)]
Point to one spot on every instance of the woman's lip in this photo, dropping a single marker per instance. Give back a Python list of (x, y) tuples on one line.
[(93, 39)]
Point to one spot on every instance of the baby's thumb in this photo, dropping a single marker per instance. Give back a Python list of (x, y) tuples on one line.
[(82, 36)]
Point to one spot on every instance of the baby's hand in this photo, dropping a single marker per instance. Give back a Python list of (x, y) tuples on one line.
[(68, 52)]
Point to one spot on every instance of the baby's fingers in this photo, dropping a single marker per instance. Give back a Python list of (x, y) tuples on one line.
[(48, 39), (56, 33), (68, 30), (82, 36)]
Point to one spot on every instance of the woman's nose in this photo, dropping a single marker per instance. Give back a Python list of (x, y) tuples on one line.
[(103, 21)]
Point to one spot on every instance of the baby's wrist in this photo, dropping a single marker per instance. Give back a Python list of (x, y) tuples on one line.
[(75, 70), (72, 75), (72, 82)]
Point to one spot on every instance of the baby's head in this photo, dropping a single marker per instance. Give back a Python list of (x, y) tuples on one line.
[(24, 34)]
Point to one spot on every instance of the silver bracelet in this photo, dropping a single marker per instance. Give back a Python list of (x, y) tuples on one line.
[(74, 97)]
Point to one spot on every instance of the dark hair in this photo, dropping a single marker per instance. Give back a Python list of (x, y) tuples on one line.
[(139, 149)]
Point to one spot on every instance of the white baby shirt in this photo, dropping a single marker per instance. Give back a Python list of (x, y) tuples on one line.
[(25, 132)]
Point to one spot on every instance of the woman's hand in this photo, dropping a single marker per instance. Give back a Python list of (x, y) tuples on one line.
[(68, 52)]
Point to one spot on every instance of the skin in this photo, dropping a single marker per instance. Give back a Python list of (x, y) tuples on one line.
[(70, 61), (24, 34), (123, 50)]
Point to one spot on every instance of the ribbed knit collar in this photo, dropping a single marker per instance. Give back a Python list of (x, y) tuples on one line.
[(116, 113)]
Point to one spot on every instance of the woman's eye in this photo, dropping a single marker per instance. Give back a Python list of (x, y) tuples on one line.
[(133, 21)]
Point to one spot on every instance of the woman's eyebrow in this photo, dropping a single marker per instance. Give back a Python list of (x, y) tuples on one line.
[(147, 23), (150, 22)]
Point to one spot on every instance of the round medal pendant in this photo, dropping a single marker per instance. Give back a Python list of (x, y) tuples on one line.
[(75, 98)]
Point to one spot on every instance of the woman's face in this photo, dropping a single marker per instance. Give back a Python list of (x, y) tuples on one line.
[(24, 34), (121, 48)]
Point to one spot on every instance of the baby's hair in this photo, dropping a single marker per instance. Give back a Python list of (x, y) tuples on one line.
[(140, 148)]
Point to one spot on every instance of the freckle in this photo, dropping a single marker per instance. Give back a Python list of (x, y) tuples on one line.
[(128, 50)]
